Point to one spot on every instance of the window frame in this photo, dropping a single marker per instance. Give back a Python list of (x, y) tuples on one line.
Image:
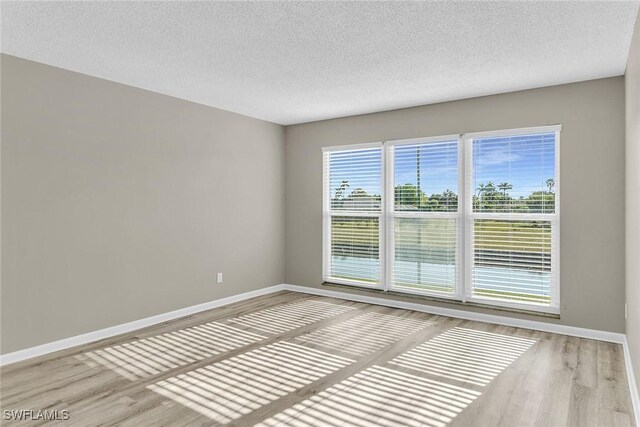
[(328, 213), (391, 215), (553, 218), (464, 217)]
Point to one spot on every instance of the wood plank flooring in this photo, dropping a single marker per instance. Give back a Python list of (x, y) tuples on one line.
[(295, 359)]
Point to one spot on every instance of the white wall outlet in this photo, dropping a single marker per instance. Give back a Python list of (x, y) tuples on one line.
[(626, 310), (219, 278)]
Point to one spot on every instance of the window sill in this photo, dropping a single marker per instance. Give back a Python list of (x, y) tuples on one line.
[(445, 300)]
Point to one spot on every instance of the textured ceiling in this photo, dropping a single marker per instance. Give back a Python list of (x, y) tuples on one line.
[(290, 62)]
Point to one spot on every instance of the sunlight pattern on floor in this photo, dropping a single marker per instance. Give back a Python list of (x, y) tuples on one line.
[(286, 317), (365, 333), (239, 385), (379, 397), (465, 355), (151, 356)]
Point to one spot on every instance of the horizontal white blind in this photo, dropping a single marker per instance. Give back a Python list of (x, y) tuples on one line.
[(513, 218), (355, 179), (472, 217), (354, 191), (514, 174), (512, 260), (425, 187), (425, 254), (426, 177), (355, 248)]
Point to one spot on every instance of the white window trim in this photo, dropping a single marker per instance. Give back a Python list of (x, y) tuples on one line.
[(391, 215), (464, 216), (470, 216), (328, 213)]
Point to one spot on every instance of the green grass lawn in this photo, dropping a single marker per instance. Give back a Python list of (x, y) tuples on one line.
[(516, 236)]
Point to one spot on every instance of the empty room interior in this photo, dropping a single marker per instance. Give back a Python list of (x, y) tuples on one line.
[(321, 213)]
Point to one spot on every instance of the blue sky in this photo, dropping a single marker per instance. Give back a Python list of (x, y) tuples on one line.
[(526, 162)]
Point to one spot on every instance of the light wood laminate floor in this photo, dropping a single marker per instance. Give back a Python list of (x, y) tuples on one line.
[(295, 359)]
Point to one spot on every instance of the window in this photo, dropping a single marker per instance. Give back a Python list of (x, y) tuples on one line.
[(470, 217), (425, 217), (353, 215), (511, 217)]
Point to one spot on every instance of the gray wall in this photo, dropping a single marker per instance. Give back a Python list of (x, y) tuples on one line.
[(118, 203), (592, 177), (632, 88)]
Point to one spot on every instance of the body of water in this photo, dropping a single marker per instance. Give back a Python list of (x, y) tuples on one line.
[(498, 279)]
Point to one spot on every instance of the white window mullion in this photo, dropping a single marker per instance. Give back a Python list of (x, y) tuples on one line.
[(555, 264), (460, 222), (468, 224), (382, 221), (441, 215), (388, 213), (326, 217), (355, 213), (555, 231), (512, 216)]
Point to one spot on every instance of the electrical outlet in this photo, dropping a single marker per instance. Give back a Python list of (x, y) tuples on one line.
[(219, 278), (626, 310)]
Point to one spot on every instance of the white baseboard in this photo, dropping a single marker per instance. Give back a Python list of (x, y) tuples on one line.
[(633, 387), (28, 353), (468, 315)]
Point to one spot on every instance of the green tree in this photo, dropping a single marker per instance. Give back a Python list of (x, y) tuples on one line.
[(551, 183), (505, 186), (488, 197), (450, 199), (481, 189), (489, 188), (340, 191), (409, 195), (360, 199), (541, 202)]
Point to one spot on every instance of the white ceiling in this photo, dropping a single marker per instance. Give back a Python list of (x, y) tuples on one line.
[(290, 62)]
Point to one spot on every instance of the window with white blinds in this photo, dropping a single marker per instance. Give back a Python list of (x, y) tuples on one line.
[(425, 216), (353, 210), (512, 218), (470, 217)]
